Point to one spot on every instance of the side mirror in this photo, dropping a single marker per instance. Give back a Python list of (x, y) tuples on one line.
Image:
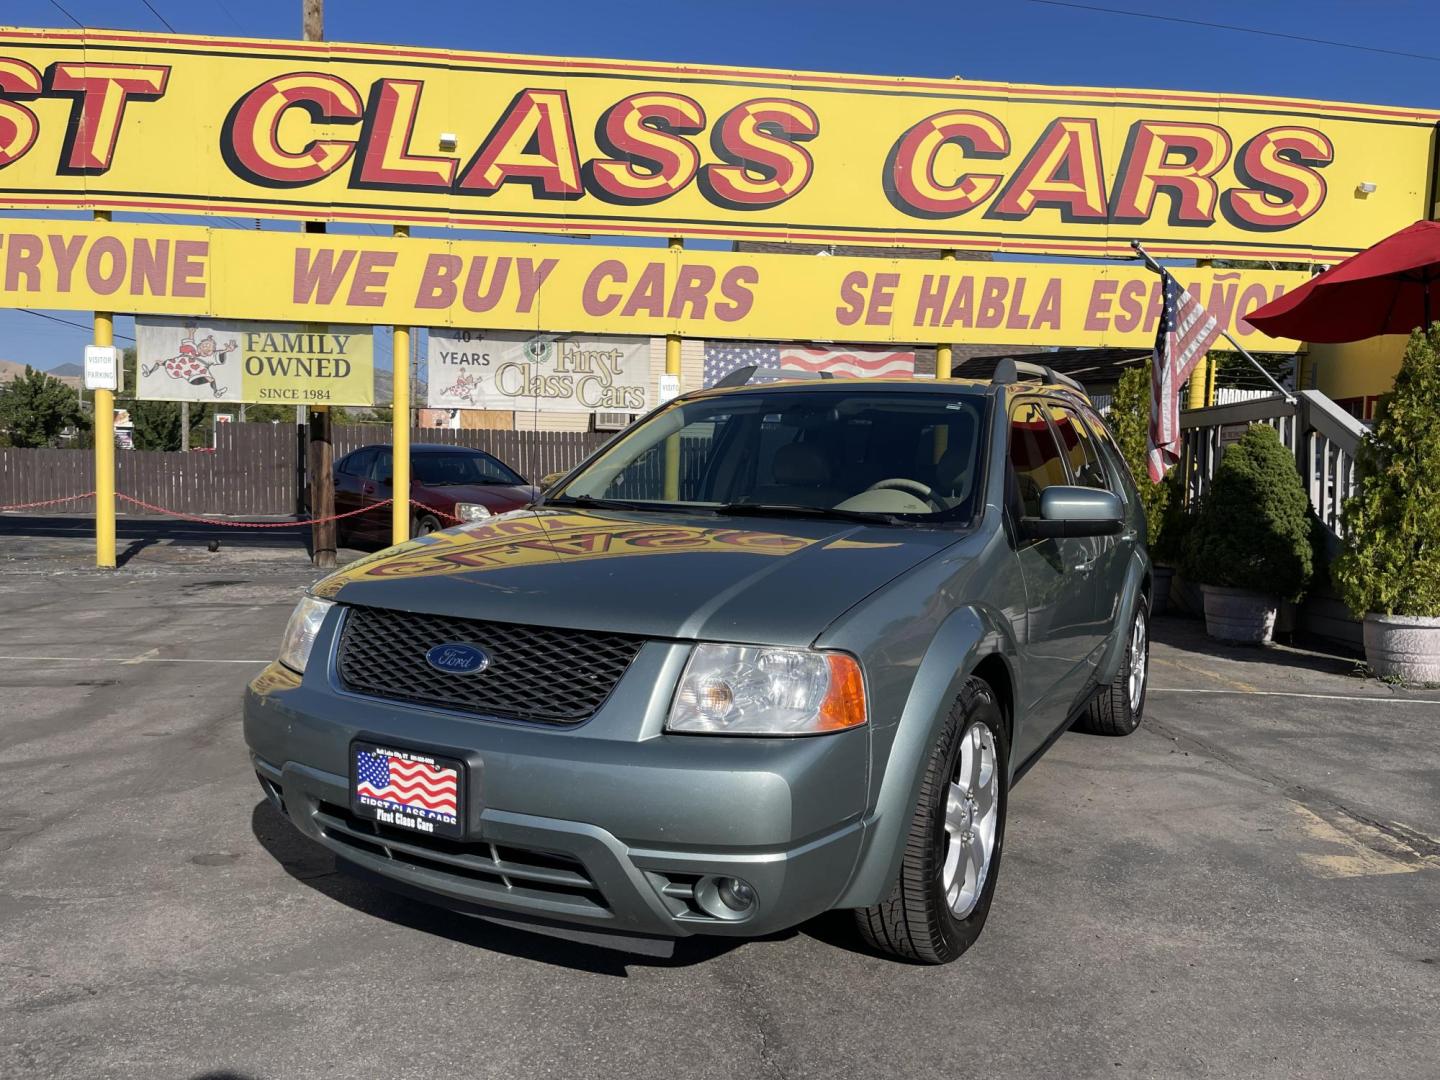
[(1075, 511)]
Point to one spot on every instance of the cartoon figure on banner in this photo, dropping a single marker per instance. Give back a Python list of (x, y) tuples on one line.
[(196, 360), (465, 386)]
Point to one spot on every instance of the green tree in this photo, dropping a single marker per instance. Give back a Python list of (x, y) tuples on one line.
[(35, 408), (1390, 563), (1130, 422), (269, 414), (1253, 529)]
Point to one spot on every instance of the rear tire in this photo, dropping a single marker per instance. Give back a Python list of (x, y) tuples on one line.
[(1119, 707), (939, 902)]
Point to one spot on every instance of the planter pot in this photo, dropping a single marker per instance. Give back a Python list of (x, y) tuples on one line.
[(1403, 647), (1285, 617), (1160, 589), (1239, 614)]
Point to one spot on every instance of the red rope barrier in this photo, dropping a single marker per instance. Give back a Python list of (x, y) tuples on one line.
[(228, 521), (249, 524), (47, 502), (437, 513)]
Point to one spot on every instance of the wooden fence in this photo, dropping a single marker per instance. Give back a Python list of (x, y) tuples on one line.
[(254, 470)]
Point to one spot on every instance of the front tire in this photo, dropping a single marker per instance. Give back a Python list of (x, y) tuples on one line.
[(939, 902), (1118, 708), (426, 524)]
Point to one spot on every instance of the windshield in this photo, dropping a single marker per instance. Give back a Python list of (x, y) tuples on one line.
[(459, 468), (889, 454)]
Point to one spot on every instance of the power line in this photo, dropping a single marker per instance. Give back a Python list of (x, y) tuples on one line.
[(1237, 29), (159, 16), (67, 322), (56, 5)]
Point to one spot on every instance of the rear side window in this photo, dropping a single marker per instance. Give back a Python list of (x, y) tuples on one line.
[(1119, 467), (1035, 460), (1079, 448), (382, 470), (358, 463)]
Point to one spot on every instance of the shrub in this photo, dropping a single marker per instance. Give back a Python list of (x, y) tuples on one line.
[(1130, 423), (1390, 563), (1253, 529)]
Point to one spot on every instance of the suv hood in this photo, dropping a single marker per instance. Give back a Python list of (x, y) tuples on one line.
[(777, 581)]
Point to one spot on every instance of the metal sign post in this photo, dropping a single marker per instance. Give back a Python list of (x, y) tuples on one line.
[(400, 427)]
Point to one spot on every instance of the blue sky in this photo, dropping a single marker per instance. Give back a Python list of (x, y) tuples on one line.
[(1392, 54)]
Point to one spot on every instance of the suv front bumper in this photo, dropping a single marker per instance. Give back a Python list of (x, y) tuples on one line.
[(578, 827)]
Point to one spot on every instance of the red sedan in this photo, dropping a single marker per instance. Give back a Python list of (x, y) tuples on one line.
[(449, 482)]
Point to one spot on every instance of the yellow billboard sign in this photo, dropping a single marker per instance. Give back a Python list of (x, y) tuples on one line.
[(196, 359), (315, 278), (112, 120)]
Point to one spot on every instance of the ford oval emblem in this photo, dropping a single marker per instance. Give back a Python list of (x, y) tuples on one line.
[(455, 658)]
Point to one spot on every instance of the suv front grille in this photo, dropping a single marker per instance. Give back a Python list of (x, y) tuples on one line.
[(535, 673)]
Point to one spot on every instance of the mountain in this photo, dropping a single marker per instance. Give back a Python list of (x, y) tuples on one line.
[(69, 374)]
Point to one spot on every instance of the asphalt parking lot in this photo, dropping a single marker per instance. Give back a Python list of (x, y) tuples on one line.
[(1247, 887)]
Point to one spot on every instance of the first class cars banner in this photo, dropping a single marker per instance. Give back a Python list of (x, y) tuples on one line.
[(555, 288), (468, 369), (110, 120)]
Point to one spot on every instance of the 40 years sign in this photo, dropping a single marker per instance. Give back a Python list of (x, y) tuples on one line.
[(274, 363), (537, 372)]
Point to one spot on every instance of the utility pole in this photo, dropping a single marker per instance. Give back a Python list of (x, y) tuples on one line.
[(321, 455)]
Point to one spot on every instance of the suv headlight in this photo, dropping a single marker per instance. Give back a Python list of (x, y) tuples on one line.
[(300, 632), (752, 690), (471, 511)]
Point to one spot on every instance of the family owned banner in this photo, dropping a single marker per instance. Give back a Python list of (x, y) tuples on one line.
[(257, 362)]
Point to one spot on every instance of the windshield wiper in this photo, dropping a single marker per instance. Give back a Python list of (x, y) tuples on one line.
[(589, 502), (869, 517)]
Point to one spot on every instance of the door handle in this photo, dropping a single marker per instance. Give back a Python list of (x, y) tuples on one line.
[(368, 489)]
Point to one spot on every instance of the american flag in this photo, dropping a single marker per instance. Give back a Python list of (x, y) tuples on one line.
[(1185, 333), (723, 357), (427, 790)]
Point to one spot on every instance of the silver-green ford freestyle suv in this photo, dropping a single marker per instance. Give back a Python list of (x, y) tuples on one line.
[(777, 649)]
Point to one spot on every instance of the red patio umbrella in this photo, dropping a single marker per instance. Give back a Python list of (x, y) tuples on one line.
[(1390, 288)]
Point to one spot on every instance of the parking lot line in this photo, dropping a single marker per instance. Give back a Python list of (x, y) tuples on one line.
[(1296, 694)]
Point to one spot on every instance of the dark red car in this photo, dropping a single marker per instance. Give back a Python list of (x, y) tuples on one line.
[(451, 481)]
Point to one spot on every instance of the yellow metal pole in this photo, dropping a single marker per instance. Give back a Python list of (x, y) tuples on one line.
[(944, 370), (105, 447), (400, 427), (1199, 395), (672, 367), (944, 355)]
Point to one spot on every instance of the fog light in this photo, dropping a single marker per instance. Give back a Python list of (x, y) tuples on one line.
[(735, 894), (726, 898)]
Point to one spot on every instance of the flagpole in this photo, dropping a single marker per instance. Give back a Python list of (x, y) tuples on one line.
[(1151, 264)]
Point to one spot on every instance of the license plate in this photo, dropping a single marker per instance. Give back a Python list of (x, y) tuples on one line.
[(419, 792)]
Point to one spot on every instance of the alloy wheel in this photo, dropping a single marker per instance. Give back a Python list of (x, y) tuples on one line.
[(972, 811), (1139, 661)]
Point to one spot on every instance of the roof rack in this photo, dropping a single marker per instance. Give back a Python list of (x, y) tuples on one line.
[(745, 375), (1011, 371)]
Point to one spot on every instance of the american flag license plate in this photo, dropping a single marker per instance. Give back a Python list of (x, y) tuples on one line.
[(418, 792)]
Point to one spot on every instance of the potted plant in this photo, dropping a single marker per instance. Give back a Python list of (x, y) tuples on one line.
[(1250, 544), (1389, 567), (1164, 514)]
